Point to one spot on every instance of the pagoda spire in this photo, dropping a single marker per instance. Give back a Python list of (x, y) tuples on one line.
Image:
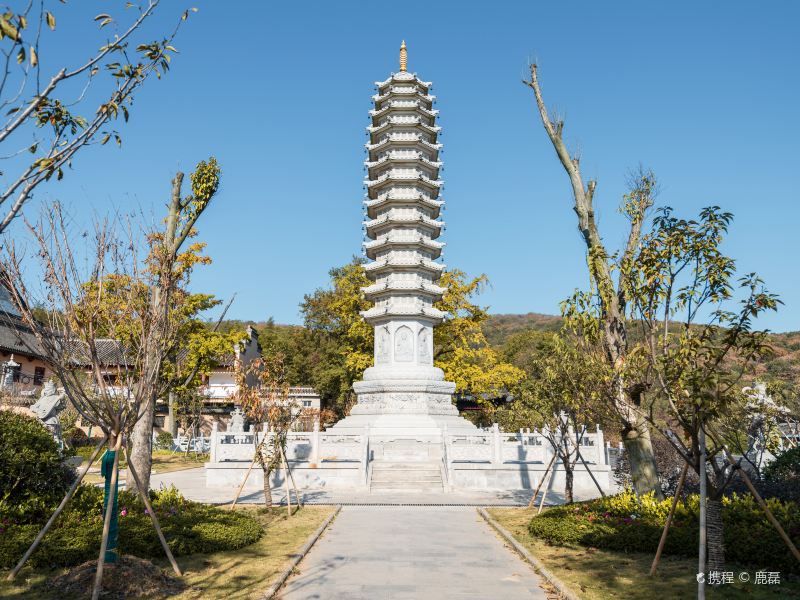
[(403, 57)]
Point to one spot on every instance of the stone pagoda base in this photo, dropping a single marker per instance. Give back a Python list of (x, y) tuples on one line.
[(404, 416)]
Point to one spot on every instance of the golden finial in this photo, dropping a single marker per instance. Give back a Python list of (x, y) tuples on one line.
[(403, 56)]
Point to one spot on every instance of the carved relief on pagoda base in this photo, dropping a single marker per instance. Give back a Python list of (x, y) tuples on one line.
[(381, 403)]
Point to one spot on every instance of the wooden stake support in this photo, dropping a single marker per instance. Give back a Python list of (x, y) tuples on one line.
[(98, 577), (241, 487), (544, 493), (58, 510), (532, 503), (588, 470), (671, 514), (153, 517), (286, 482), (297, 498)]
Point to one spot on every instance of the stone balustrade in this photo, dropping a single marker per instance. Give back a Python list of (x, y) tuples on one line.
[(492, 459)]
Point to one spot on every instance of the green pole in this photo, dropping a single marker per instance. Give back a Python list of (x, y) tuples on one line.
[(106, 467)]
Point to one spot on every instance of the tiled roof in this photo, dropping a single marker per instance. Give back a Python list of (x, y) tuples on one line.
[(16, 337), (109, 352)]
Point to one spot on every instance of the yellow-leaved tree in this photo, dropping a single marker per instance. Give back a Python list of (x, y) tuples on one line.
[(340, 342)]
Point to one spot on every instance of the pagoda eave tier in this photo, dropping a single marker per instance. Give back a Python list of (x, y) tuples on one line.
[(403, 107), (375, 186), (403, 140), (401, 158), (380, 313), (404, 93), (413, 265), (376, 226), (390, 286), (403, 77), (400, 122), (389, 200), (419, 243)]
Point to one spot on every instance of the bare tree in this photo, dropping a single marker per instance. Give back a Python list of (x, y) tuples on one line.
[(114, 295), (626, 396), (40, 97), (270, 408)]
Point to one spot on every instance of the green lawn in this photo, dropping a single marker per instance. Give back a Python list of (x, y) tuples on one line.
[(600, 574), (236, 575), (164, 461)]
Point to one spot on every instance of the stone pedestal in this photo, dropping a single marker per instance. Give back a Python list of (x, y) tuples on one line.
[(415, 403)]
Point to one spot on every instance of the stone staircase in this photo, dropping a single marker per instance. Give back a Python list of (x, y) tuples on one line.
[(406, 477)]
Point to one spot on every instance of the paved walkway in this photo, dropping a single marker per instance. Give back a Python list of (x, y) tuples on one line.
[(411, 553)]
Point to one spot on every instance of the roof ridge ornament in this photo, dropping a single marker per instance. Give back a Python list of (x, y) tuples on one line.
[(403, 57)]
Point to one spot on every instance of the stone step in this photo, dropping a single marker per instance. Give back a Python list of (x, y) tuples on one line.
[(404, 487), (432, 478), (403, 472), (390, 476), (405, 466)]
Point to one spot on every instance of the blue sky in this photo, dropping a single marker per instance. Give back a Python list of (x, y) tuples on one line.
[(706, 94)]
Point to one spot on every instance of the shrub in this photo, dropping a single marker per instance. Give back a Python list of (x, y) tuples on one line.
[(33, 476), (627, 523), (785, 467), (188, 527), (164, 441), (76, 437)]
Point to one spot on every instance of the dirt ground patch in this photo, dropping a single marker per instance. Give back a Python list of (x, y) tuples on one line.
[(131, 577)]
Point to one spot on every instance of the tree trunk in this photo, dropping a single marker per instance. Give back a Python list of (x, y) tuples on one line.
[(569, 476), (644, 474), (141, 454), (716, 536), (171, 424)]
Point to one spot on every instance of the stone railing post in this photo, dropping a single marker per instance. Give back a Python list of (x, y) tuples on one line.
[(315, 443), (547, 449), (214, 441), (600, 445), (497, 453)]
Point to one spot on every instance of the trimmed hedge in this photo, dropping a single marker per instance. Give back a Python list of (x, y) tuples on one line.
[(785, 467), (626, 523), (189, 528)]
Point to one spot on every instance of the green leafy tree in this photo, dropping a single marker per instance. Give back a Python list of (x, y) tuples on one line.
[(460, 346), (169, 265), (562, 393), (198, 351), (695, 349), (340, 342)]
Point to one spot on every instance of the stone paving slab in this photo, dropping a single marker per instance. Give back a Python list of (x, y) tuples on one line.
[(377, 552)]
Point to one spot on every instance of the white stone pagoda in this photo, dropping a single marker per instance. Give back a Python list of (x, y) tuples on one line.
[(403, 392)]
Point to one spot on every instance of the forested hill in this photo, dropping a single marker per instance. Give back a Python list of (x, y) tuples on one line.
[(784, 365), (500, 327)]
